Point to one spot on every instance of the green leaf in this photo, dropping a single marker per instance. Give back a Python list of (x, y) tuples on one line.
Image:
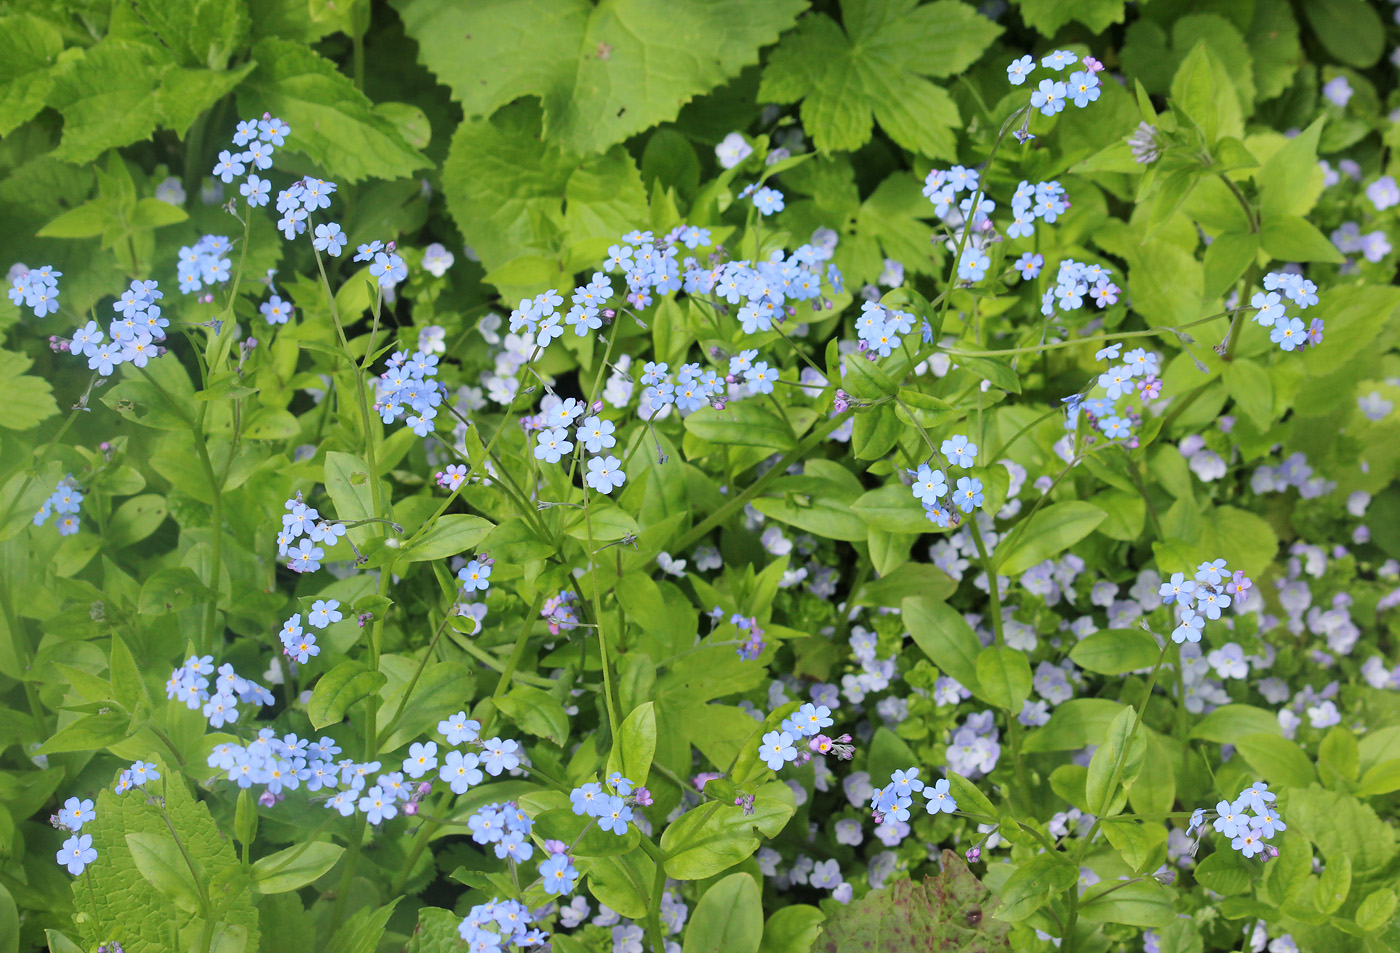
[(363, 931), (121, 896), (170, 590), (1226, 872), (88, 733), (1229, 723), (635, 746), (1290, 180), (347, 484), (537, 712), (294, 867), (1047, 16), (1166, 282), (1004, 675), (588, 840), (1383, 778), (437, 932), (1074, 724), (333, 123), (88, 220), (728, 918), (437, 694), (451, 535), (888, 753), (158, 859), (997, 372), (1033, 884), (32, 47), (743, 423), (1202, 89), (1339, 824), (1350, 30), (945, 637), (513, 196), (714, 837), (1143, 903), (338, 689), (1252, 390), (1338, 759), (1277, 760), (953, 911), (969, 797), (892, 508), (28, 399), (106, 95), (128, 687), (1334, 884), (877, 69), (1049, 532), (792, 929), (1116, 651), (1294, 238), (1116, 761), (135, 519), (594, 67), (196, 32), (1226, 259), (1376, 910)]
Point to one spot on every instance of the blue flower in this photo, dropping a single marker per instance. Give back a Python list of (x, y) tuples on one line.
[(389, 269), (475, 576), (76, 813), (604, 474), (305, 556), (1019, 69), (1288, 333), (777, 749), (1029, 265), (324, 612), (614, 815), (973, 265), (459, 729), (760, 378), (551, 444), (959, 451), (1212, 572), (929, 484), (499, 755), (230, 166), (558, 876), (1058, 60), (1190, 628), (329, 238), (143, 771), (768, 201), (276, 311), (378, 806), (939, 800), (303, 647), (969, 494), (459, 771), (256, 191), (1049, 97), (422, 758), (587, 799), (77, 852), (1177, 589), (596, 434), (1083, 88), (367, 252), (1270, 307)]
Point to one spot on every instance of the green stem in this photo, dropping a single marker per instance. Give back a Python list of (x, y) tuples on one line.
[(732, 506), (522, 639)]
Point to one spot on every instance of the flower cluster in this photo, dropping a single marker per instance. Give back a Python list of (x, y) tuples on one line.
[(487, 926), (407, 389), (77, 851), (780, 747), (1248, 832), (36, 289), (135, 329), (1285, 331), (189, 684), (594, 435), (136, 776), (1205, 597), (930, 485), (1082, 88), (975, 747), (65, 501), (892, 802), (206, 262), (505, 826), (609, 803), (1075, 281), (559, 612), (752, 646), (300, 521), (880, 329)]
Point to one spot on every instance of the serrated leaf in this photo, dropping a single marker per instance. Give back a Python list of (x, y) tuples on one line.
[(32, 46), (106, 95), (604, 72), (28, 399), (332, 122), (877, 69)]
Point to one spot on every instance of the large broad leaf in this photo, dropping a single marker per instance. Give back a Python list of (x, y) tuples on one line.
[(714, 836), (876, 67), (513, 196), (728, 918), (106, 94), (1048, 533), (949, 912), (1047, 16), (332, 122), (116, 896), (31, 47), (946, 638), (28, 399), (604, 72)]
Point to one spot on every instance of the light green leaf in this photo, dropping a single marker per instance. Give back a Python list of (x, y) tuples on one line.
[(451, 535), (1294, 238), (892, 508), (1047, 16), (332, 122), (1116, 651), (28, 399), (294, 867), (106, 95), (32, 46), (1142, 903), (792, 929), (513, 196), (438, 692), (186, 94), (1290, 181), (1229, 723), (1340, 825), (347, 484), (877, 69), (635, 746), (136, 519), (604, 72), (1116, 761), (743, 423), (714, 837), (1252, 390), (1004, 675), (338, 689), (1383, 778), (200, 33), (88, 733), (728, 918), (1049, 532), (363, 931), (1074, 724), (537, 712), (1277, 760), (945, 637), (158, 859)]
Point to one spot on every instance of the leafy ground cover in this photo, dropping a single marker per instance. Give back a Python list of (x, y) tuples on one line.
[(699, 476)]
